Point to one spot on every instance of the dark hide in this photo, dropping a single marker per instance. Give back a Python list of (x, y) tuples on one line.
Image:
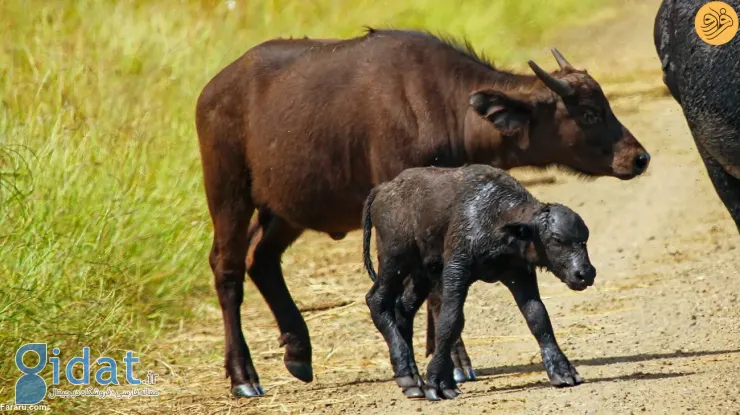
[(450, 228), (704, 79)]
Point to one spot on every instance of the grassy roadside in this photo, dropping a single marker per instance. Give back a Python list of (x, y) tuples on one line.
[(103, 226)]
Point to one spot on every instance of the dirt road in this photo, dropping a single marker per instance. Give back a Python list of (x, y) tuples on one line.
[(658, 333)]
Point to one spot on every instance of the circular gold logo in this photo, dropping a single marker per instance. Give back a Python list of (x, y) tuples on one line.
[(716, 23)]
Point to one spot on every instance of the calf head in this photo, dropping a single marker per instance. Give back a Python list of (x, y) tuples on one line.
[(560, 246), (564, 119)]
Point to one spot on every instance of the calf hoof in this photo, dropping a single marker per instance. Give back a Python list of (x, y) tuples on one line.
[(443, 391), (247, 391), (561, 381), (300, 370), (413, 392), (458, 375), (466, 374), (564, 374), (411, 386), (433, 394)]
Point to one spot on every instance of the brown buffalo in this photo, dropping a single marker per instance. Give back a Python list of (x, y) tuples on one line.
[(302, 130)]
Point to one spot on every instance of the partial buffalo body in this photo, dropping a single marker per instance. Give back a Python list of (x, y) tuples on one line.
[(302, 130), (705, 80), (452, 227)]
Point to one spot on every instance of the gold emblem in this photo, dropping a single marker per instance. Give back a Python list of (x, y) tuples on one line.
[(716, 23)]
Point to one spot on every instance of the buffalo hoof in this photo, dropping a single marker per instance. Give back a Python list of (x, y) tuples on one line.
[(247, 391), (338, 236), (411, 386), (466, 374), (300, 370)]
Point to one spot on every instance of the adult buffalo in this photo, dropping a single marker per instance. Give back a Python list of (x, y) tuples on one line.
[(704, 79), (302, 130)]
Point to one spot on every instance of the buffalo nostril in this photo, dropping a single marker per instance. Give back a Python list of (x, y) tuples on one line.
[(641, 162)]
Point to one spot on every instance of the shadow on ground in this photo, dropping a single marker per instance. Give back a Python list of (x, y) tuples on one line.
[(602, 361), (546, 385), (537, 367)]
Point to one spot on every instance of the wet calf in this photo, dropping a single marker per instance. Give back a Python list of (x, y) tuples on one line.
[(455, 226)]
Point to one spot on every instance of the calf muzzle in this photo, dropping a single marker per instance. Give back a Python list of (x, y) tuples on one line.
[(582, 278)]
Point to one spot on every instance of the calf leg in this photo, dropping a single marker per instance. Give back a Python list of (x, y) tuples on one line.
[(463, 371), (267, 275), (463, 366), (527, 295), (416, 290), (726, 185), (381, 300), (440, 379)]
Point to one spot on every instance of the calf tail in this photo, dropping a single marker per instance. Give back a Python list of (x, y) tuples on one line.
[(367, 227)]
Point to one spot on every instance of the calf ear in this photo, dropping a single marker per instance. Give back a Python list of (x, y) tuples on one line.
[(508, 114), (519, 237), (519, 230)]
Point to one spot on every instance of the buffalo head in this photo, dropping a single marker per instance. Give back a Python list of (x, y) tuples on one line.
[(561, 118)]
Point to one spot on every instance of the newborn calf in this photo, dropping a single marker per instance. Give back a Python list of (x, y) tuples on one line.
[(454, 227)]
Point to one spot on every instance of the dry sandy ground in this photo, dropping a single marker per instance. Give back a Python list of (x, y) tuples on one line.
[(658, 333)]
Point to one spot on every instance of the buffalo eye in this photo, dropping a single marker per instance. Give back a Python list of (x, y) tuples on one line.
[(590, 117)]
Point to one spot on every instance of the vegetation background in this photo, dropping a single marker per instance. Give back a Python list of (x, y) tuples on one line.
[(104, 230)]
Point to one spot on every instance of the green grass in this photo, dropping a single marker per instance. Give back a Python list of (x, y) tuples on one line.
[(104, 231)]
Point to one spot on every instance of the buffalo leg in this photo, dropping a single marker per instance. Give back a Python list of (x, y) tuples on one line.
[(526, 293), (227, 263), (440, 379), (227, 191), (381, 300), (463, 366), (267, 275), (726, 186)]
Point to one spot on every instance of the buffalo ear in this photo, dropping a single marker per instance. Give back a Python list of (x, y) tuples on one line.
[(509, 115)]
